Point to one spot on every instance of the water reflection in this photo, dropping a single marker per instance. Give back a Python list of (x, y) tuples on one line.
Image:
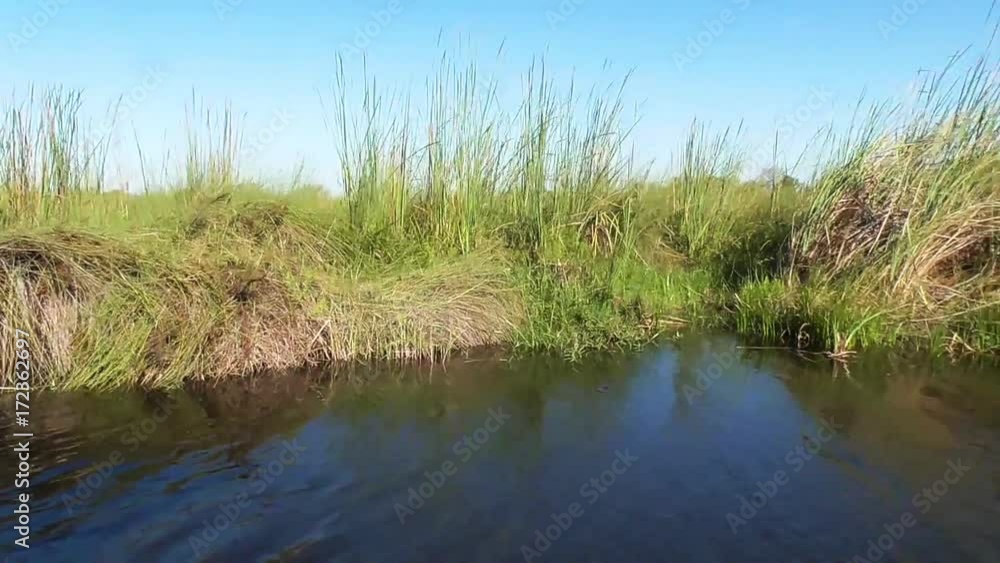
[(707, 420)]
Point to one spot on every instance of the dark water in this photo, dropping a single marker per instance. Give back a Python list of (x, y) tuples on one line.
[(300, 469)]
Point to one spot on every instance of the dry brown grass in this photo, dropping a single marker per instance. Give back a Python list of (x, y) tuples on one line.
[(102, 315), (912, 213), (46, 285)]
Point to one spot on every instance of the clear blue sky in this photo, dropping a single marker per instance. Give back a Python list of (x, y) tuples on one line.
[(266, 56)]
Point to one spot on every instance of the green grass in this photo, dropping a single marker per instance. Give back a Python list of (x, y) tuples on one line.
[(467, 225)]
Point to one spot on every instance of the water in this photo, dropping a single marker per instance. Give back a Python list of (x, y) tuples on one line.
[(301, 469)]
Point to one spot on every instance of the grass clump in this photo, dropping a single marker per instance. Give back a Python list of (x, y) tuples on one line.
[(908, 213)]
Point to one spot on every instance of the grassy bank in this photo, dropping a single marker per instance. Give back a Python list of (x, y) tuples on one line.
[(473, 226)]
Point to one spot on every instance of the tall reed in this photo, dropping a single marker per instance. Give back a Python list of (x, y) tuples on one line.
[(214, 142), (911, 207), (462, 164), (49, 159)]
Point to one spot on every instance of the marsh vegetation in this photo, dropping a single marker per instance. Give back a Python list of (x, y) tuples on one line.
[(468, 225)]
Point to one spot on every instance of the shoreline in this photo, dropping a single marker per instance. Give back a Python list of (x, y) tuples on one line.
[(260, 287)]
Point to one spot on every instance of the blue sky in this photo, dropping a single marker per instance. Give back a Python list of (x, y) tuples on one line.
[(755, 61)]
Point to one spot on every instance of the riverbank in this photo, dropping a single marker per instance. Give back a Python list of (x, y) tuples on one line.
[(528, 230)]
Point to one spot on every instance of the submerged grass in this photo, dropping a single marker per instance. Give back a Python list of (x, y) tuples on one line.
[(464, 225)]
